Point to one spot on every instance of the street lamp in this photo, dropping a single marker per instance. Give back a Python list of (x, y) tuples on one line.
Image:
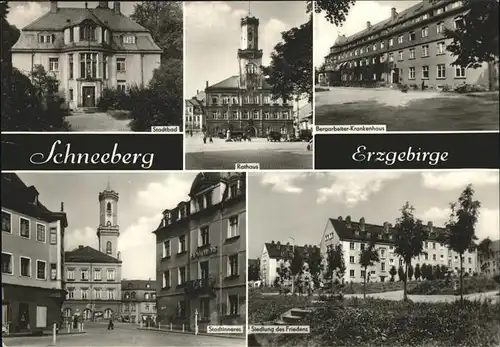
[(293, 255)]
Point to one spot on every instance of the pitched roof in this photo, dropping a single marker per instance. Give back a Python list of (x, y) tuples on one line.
[(233, 82), (280, 251), (137, 284), (305, 112), (66, 16), (18, 197), (87, 254)]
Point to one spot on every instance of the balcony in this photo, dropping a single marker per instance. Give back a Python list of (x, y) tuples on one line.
[(200, 286)]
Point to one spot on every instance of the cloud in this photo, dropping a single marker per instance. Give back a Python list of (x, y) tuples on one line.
[(283, 182), (444, 181), (23, 13), (76, 237), (207, 15), (167, 193), (272, 30), (437, 215), (353, 187)]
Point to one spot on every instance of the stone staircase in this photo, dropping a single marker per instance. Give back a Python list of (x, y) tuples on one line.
[(293, 316)]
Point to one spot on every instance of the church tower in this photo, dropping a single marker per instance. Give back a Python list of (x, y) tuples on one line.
[(249, 55), (108, 230)]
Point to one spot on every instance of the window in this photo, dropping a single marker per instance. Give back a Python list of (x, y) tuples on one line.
[(71, 66), (441, 71), (426, 257), (84, 293), (440, 48), (234, 115), (109, 247), (111, 294), (351, 245), (97, 293), (146, 307), (351, 273), (425, 72), (374, 47), (204, 308), (7, 263), (233, 305), (266, 115), (425, 32), (440, 28), (146, 296), (167, 283), (46, 38), (25, 267), (232, 265), (459, 72), (84, 275), (351, 260), (71, 94), (255, 114), (71, 293), (412, 53), (411, 73), (411, 36), (391, 42), (88, 32), (41, 270), (97, 275), (469, 260), (6, 222), (391, 57), (122, 86), (434, 257), (425, 51), (182, 244), (105, 68), (284, 115), (24, 227), (235, 100), (166, 249), (120, 65), (204, 237), (53, 236), (88, 65), (382, 266), (400, 39), (53, 271), (129, 39), (382, 252), (110, 274), (182, 275), (70, 275), (233, 229), (458, 23), (181, 309), (433, 245), (40, 232), (203, 270), (400, 55)]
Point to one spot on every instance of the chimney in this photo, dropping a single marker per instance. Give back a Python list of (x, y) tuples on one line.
[(80, 246), (394, 14), (339, 219), (348, 221), (206, 85), (53, 6), (103, 4), (62, 206), (116, 7), (386, 227), (118, 255), (362, 224), (429, 225), (368, 25)]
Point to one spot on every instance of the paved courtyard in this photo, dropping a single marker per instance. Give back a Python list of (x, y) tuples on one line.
[(412, 111), (222, 155), (124, 335), (97, 122)]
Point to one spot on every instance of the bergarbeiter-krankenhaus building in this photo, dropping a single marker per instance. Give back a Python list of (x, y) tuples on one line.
[(406, 48), (88, 50)]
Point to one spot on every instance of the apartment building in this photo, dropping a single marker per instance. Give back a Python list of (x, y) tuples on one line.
[(244, 102), (354, 236), (88, 50), (489, 263), (407, 48), (138, 300), (32, 258), (93, 276), (201, 254), (193, 120)]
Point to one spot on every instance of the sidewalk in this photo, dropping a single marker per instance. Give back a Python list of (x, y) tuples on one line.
[(175, 331), (42, 333)]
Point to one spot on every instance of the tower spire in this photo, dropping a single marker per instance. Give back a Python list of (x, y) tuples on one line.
[(249, 12), (108, 185)]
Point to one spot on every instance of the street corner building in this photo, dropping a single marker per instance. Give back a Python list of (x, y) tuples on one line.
[(354, 236), (406, 48), (201, 255), (93, 277), (88, 50), (193, 120), (244, 103), (32, 259), (138, 300)]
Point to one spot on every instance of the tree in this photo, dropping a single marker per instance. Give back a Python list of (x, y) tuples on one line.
[(437, 272), (335, 263), (485, 251), (460, 230), (424, 271), (335, 11), (314, 261), (254, 271), (410, 272), (164, 19), (409, 237), (290, 70), (401, 273), (444, 271), (297, 262), (393, 272), (417, 272), (475, 39), (368, 257)]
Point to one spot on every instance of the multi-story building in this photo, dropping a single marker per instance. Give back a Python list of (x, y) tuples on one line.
[(88, 50), (244, 102), (354, 236), (193, 121), (305, 119), (93, 277), (407, 48), (32, 258), (274, 254), (489, 263), (201, 254), (138, 300)]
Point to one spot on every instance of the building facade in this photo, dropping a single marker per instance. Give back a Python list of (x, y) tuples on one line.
[(193, 121), (93, 276), (244, 102), (32, 259), (201, 254), (353, 236), (407, 48), (489, 263), (138, 300), (88, 50)]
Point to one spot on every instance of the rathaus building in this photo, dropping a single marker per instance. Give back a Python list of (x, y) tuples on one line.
[(406, 48)]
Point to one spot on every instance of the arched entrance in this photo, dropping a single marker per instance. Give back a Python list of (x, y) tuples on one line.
[(87, 314), (252, 131), (395, 76), (108, 313)]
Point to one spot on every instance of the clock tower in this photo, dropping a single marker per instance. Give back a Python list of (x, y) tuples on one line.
[(108, 230), (249, 55)]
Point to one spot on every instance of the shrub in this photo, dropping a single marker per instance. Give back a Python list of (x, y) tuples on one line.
[(403, 88), (446, 286), (267, 308), (113, 99)]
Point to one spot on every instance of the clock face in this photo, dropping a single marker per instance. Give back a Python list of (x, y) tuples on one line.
[(250, 34)]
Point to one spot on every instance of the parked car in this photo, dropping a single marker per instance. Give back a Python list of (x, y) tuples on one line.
[(274, 136), (310, 145)]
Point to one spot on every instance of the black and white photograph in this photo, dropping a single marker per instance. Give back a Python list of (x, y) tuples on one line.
[(93, 66), (248, 85), (122, 259), (374, 258), (428, 65)]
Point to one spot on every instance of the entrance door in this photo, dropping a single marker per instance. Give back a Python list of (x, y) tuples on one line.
[(88, 96), (24, 316), (395, 76)]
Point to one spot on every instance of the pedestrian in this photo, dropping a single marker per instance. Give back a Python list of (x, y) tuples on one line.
[(211, 139), (111, 325)]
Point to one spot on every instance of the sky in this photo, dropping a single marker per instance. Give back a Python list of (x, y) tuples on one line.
[(142, 198), (325, 33), (212, 36), (282, 204)]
